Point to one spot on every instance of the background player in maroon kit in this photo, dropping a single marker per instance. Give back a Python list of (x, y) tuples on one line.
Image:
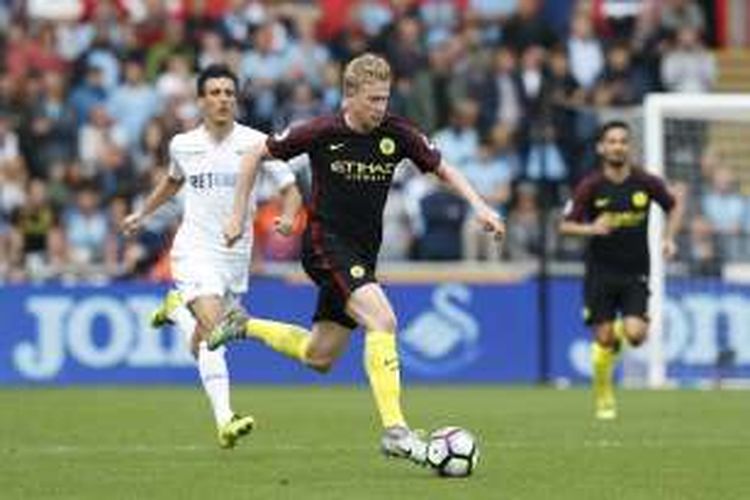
[(353, 155), (611, 206)]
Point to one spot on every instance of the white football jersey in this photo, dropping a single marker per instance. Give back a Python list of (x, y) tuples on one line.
[(210, 170)]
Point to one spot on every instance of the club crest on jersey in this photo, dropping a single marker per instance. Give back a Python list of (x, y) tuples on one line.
[(639, 199), (357, 271), (387, 146)]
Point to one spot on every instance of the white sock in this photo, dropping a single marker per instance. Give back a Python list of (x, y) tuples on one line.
[(212, 367), (215, 377)]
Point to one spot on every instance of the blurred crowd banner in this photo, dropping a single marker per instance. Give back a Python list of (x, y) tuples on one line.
[(450, 332)]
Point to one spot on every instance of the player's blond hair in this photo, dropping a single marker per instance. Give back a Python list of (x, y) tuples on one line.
[(364, 69)]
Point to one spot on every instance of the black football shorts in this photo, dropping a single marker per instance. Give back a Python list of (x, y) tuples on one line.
[(607, 295), (337, 270)]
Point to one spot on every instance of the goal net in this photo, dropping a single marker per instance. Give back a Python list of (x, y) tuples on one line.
[(700, 302)]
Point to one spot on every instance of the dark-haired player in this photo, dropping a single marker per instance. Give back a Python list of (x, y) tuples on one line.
[(209, 276), (353, 155), (611, 207)]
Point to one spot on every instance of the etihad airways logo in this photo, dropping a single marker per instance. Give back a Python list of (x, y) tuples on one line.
[(361, 171), (627, 218)]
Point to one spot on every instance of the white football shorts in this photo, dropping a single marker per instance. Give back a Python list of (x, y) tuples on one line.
[(196, 276)]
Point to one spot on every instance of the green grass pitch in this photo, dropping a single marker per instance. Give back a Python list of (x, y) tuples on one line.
[(321, 443)]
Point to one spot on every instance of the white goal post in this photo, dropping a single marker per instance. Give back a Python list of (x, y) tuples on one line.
[(659, 108)]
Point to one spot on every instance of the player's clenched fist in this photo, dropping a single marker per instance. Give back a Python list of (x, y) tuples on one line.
[(491, 222), (232, 231)]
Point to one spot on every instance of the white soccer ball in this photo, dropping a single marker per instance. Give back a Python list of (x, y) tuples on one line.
[(452, 452)]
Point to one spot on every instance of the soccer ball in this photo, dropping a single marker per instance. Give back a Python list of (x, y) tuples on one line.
[(452, 452)]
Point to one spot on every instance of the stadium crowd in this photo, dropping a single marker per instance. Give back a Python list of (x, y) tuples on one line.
[(92, 91)]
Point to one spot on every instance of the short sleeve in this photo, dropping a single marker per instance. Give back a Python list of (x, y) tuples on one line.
[(576, 209), (175, 169), (294, 140), (659, 193), (419, 149)]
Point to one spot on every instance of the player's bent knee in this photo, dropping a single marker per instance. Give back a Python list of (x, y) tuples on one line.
[(637, 339), (605, 336), (387, 323), (636, 333)]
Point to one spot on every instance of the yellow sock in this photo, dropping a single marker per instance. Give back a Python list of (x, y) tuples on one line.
[(382, 366), (285, 338), (603, 363)]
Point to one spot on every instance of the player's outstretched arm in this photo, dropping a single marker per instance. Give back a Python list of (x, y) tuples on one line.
[(489, 219), (246, 180), (291, 202), (167, 187)]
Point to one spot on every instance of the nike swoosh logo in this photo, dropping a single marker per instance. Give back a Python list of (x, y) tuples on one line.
[(602, 202), (334, 147)]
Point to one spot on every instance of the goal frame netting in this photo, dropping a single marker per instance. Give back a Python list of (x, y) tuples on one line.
[(657, 109)]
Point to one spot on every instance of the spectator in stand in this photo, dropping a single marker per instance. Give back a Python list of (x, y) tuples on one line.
[(623, 83), (564, 90), (263, 68), (121, 255), (51, 129), (404, 50), (32, 52), (398, 229), (212, 49), (489, 16), (528, 27), (442, 81), (134, 102), (331, 87), (96, 136), (688, 66), (491, 175), (306, 58), (153, 146), (88, 94), (725, 209), (8, 91), (584, 52), (9, 150), (501, 101), (301, 105), (372, 15), (544, 160), (115, 173), (534, 91), (412, 98), (460, 141), (442, 213), (523, 241), (240, 18), (440, 18), (103, 53), (37, 244), (12, 198), (86, 228), (677, 15), (703, 257), (176, 82), (175, 41)]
